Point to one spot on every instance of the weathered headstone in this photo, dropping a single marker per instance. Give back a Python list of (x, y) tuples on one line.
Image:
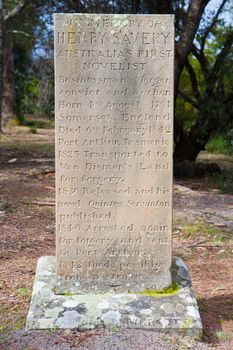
[(114, 121), (114, 143)]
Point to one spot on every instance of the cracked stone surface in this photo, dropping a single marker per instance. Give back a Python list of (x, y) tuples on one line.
[(169, 313)]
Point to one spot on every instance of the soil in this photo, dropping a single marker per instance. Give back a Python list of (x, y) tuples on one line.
[(203, 223)]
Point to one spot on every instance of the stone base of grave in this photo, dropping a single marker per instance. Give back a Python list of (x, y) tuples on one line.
[(167, 313)]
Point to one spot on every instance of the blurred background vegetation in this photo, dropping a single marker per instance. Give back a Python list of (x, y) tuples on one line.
[(203, 65)]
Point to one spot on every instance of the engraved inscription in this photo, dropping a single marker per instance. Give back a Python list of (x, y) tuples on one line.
[(114, 142)]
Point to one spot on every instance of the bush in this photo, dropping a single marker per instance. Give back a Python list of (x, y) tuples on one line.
[(220, 144), (33, 129)]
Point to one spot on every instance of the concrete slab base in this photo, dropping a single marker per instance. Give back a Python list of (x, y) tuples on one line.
[(167, 312)]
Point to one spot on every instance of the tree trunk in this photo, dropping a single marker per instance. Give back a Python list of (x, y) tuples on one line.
[(7, 63), (187, 149), (188, 145), (8, 95), (184, 46), (1, 60)]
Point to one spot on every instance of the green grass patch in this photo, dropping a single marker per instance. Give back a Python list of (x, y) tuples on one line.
[(201, 228), (4, 329), (215, 236), (24, 291), (4, 339), (221, 335), (20, 323)]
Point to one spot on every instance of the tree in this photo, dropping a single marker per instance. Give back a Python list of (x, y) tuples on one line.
[(1, 59), (194, 34), (8, 94), (6, 17), (189, 16), (212, 96)]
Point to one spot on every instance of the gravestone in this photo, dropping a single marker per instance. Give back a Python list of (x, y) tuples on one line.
[(114, 143)]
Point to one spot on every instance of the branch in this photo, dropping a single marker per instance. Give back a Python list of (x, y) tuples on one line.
[(193, 18), (204, 62), (222, 55), (50, 204), (184, 45), (137, 6), (193, 79), (21, 33), (188, 99), (18, 8), (160, 7), (210, 28)]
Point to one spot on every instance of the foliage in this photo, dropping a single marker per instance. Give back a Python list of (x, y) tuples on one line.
[(220, 143), (201, 228), (34, 75), (34, 96), (27, 92), (40, 123), (33, 129), (203, 65), (204, 107), (221, 335)]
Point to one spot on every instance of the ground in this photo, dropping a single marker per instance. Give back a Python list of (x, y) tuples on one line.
[(203, 223)]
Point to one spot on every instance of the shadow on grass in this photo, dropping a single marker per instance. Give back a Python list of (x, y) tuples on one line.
[(215, 312)]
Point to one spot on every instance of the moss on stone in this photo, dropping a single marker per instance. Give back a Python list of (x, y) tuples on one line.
[(68, 294), (173, 289)]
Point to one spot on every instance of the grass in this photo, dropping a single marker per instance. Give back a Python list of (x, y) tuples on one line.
[(18, 320), (24, 291), (167, 338), (7, 145), (19, 323), (3, 205), (3, 339), (215, 236), (16, 312), (201, 228), (218, 144), (221, 335)]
